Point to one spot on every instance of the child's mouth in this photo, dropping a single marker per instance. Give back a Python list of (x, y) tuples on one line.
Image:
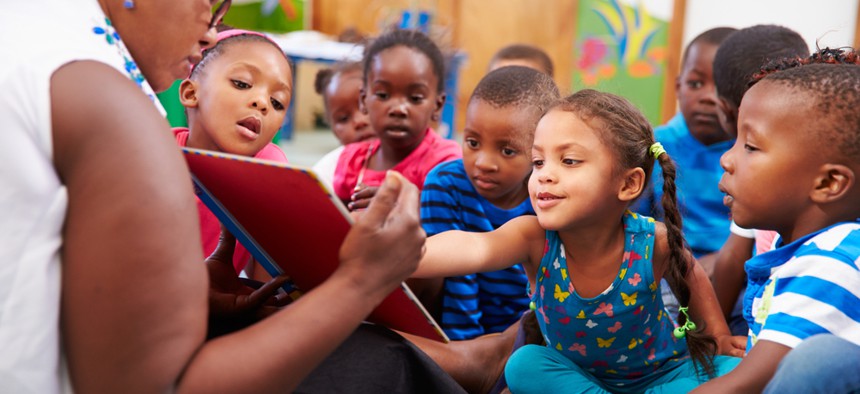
[(251, 126), (727, 198), (546, 200), (398, 131)]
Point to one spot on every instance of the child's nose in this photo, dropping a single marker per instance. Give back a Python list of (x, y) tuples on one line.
[(726, 160), (360, 120), (544, 175), (485, 162), (709, 96), (260, 104), (398, 109)]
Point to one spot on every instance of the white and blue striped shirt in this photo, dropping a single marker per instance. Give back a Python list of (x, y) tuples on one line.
[(810, 286)]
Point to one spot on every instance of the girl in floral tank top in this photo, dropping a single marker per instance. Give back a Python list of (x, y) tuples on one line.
[(595, 266)]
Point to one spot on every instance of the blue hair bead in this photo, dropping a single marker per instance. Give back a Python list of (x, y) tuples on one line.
[(128, 4)]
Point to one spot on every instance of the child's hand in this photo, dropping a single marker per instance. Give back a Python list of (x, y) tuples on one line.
[(229, 297), (362, 196), (729, 345)]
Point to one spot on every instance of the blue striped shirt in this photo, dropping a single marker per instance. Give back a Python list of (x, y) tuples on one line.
[(810, 286), (476, 304), (706, 219)]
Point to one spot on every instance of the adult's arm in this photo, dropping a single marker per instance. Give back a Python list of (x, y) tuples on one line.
[(134, 305)]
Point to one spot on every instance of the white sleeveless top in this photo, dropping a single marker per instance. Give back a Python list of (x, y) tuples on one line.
[(36, 38)]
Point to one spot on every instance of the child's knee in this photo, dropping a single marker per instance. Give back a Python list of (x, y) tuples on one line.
[(521, 366)]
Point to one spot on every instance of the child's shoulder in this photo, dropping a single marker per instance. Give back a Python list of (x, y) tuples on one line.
[(442, 147), (271, 152), (447, 169), (841, 241)]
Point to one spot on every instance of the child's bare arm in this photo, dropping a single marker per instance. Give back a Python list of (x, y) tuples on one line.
[(752, 374), (703, 304), (705, 308), (729, 271), (454, 253)]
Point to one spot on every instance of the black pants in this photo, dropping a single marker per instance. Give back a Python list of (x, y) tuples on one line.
[(376, 360)]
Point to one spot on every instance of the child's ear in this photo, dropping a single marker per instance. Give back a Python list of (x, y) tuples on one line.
[(728, 115), (362, 94), (677, 84), (440, 103), (632, 184), (188, 93), (833, 182)]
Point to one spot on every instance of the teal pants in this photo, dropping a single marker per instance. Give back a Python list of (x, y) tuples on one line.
[(539, 369)]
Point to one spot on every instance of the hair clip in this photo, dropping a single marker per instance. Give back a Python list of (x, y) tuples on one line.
[(656, 150), (681, 331), (128, 4)]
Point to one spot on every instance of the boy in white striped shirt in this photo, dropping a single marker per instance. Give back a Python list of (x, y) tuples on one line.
[(794, 169)]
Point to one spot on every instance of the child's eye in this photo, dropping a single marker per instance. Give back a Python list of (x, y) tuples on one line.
[(277, 105), (695, 84), (471, 143), (240, 85), (381, 95), (508, 152), (341, 119), (750, 148), (569, 162), (416, 99), (537, 163)]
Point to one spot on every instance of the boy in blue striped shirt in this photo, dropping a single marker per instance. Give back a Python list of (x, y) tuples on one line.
[(794, 169), (483, 191)]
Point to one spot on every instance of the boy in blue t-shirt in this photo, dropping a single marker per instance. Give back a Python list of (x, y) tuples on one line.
[(483, 191), (695, 140), (794, 170)]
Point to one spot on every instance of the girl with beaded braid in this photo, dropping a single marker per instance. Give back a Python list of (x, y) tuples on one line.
[(593, 266)]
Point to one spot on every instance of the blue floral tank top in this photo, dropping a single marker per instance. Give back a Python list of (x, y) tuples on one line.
[(624, 333)]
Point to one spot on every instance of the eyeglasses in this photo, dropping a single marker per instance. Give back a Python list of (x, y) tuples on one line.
[(219, 13)]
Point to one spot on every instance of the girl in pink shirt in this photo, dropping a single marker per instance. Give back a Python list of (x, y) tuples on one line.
[(402, 94), (236, 99)]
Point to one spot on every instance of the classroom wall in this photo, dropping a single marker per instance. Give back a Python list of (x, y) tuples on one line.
[(480, 27), (832, 22)]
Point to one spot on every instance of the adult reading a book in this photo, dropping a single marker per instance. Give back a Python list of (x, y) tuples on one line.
[(100, 241)]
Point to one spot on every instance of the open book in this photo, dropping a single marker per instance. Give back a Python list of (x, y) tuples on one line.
[(291, 223)]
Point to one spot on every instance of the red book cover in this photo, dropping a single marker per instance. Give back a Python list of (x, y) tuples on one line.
[(291, 223)]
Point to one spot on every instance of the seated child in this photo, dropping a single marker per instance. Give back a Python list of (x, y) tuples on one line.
[(739, 57), (522, 55), (484, 190), (340, 87), (696, 141), (793, 170), (236, 99), (593, 266), (403, 93)]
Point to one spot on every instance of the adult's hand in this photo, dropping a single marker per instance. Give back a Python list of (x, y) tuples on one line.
[(384, 246)]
